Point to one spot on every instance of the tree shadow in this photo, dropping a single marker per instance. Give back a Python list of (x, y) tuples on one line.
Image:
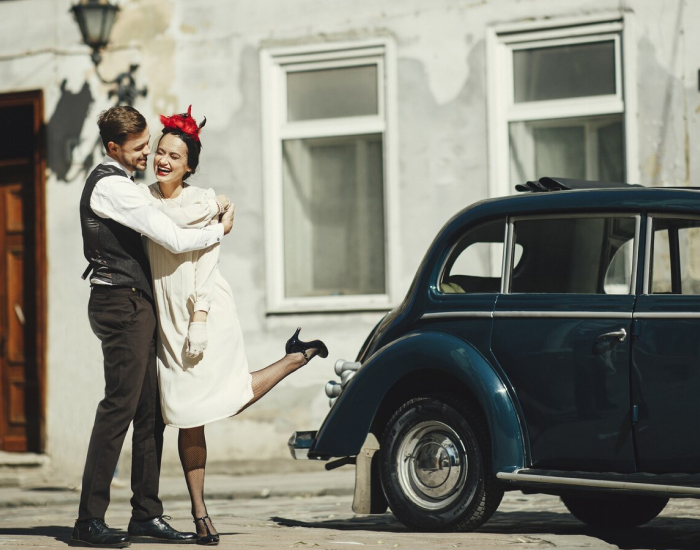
[(664, 533), (64, 129)]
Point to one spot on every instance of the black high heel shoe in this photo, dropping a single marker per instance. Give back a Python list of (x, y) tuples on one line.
[(294, 345), (208, 539)]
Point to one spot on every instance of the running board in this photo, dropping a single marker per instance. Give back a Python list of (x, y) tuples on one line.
[(525, 477)]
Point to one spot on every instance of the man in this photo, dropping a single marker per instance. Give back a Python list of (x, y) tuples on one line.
[(114, 213)]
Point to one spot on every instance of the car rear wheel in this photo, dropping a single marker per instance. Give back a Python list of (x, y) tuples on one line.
[(435, 465), (614, 511)]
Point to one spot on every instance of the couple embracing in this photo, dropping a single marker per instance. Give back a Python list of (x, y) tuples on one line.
[(172, 344)]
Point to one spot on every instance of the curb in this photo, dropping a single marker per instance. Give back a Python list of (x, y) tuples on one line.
[(35, 498)]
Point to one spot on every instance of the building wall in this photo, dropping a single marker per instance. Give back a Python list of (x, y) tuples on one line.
[(206, 53)]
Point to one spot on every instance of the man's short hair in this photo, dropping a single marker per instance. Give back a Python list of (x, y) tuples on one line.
[(118, 123)]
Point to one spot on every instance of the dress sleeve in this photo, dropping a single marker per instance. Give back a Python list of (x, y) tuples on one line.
[(206, 266), (195, 215), (205, 271)]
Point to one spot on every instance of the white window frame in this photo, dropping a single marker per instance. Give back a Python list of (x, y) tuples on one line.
[(274, 65), (502, 41)]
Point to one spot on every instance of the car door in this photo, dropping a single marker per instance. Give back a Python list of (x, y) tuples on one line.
[(561, 334), (666, 348)]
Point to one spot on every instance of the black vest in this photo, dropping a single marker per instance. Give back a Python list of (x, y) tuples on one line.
[(115, 252)]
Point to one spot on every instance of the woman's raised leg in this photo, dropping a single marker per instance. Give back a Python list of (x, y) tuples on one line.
[(266, 379)]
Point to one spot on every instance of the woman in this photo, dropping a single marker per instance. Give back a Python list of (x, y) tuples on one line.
[(202, 366)]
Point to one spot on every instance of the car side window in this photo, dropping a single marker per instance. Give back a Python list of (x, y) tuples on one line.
[(570, 255), (675, 266), (475, 264)]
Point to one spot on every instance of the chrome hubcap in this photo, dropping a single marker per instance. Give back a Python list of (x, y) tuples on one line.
[(432, 465)]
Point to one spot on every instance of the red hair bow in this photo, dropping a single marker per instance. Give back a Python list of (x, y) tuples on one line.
[(183, 122)]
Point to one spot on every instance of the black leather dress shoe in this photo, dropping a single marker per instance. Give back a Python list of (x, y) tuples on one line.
[(94, 533), (158, 528)]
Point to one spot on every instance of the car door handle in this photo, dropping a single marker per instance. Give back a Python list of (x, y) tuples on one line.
[(618, 335)]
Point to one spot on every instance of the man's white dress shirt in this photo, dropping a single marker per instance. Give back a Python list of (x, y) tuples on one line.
[(120, 199)]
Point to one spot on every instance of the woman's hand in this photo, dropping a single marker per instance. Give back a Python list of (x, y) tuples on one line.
[(223, 199), (197, 339)]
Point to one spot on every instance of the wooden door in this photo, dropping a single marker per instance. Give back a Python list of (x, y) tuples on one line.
[(22, 288)]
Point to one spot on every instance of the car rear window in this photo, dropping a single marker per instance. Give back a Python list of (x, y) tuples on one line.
[(475, 263)]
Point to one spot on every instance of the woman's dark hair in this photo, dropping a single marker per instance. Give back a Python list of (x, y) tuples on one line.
[(194, 147)]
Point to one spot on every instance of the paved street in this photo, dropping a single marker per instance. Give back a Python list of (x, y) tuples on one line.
[(313, 510)]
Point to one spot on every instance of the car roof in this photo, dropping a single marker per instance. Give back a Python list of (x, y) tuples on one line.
[(621, 198), (636, 198)]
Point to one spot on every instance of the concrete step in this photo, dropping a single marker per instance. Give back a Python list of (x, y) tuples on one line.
[(20, 469)]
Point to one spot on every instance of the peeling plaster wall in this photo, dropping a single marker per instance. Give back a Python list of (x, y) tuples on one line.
[(205, 53)]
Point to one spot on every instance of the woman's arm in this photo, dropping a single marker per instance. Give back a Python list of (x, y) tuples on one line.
[(198, 214), (205, 270)]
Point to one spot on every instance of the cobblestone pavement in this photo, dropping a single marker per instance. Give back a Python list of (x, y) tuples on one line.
[(327, 522)]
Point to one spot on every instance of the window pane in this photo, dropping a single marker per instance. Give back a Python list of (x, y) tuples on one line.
[(334, 216), (588, 148), (332, 93), (560, 149), (661, 268), (619, 274), (676, 257), (610, 153), (560, 72), (570, 255), (475, 264)]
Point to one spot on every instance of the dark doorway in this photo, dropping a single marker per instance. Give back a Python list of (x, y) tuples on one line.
[(22, 273)]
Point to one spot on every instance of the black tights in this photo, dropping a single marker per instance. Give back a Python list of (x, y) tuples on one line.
[(192, 445)]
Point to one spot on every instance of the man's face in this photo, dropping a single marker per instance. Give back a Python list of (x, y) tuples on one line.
[(133, 153)]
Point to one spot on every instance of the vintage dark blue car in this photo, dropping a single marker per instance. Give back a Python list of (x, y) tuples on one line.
[(550, 343)]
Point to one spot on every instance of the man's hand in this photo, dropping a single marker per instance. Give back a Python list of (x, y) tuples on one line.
[(227, 219)]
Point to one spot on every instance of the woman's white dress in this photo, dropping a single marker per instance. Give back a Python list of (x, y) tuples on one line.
[(216, 384)]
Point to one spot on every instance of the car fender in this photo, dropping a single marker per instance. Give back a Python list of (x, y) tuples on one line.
[(348, 423)]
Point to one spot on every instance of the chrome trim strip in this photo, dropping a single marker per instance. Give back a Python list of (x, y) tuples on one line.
[(603, 484), (675, 215), (565, 314), (566, 215), (507, 269), (647, 255), (452, 314), (667, 315), (635, 254)]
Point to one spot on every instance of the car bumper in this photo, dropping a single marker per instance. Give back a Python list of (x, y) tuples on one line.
[(300, 443)]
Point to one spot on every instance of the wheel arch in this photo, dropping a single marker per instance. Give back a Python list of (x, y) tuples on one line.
[(419, 363)]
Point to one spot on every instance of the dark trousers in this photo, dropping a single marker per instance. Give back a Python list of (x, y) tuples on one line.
[(125, 323)]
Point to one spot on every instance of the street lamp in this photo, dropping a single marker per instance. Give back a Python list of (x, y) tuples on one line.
[(95, 19)]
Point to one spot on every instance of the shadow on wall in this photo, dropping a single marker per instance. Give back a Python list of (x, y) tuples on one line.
[(65, 127)]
